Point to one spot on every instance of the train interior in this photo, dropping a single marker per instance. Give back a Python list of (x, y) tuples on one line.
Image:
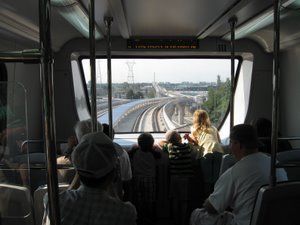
[(158, 35)]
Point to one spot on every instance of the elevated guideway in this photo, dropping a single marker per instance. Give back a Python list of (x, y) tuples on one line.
[(121, 110), (125, 115)]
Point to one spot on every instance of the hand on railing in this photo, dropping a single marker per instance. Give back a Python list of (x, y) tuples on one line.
[(190, 139)]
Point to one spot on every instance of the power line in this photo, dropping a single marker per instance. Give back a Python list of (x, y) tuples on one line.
[(130, 76)]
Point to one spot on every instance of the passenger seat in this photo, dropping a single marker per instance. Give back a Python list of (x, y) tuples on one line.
[(16, 205), (291, 157)]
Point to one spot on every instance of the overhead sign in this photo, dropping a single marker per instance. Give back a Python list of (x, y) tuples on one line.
[(162, 44)]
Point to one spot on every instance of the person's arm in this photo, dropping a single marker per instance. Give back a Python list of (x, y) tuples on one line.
[(130, 215), (223, 195), (209, 207), (46, 220), (75, 182), (190, 139)]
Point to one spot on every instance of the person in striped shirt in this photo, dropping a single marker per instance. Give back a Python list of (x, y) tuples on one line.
[(183, 174)]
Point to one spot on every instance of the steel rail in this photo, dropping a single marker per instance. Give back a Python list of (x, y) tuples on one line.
[(108, 21), (27, 56), (49, 109), (232, 21), (276, 89), (92, 65)]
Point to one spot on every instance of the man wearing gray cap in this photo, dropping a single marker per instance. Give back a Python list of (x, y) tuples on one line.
[(91, 203)]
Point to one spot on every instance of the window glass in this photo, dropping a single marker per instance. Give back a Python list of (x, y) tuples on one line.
[(155, 95), (80, 100), (241, 99)]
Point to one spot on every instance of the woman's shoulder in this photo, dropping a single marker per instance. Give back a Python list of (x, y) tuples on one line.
[(212, 129)]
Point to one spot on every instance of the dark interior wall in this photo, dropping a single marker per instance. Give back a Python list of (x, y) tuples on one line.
[(66, 116), (290, 91), (28, 75)]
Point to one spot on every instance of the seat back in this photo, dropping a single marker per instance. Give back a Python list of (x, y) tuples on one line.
[(228, 161), (210, 166), (278, 205), (16, 205), (38, 201), (292, 156)]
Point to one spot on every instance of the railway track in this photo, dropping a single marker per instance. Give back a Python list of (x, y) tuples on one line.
[(150, 119)]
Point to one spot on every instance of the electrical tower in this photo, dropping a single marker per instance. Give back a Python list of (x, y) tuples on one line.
[(130, 76)]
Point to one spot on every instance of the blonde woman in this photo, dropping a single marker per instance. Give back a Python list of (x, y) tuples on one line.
[(204, 134)]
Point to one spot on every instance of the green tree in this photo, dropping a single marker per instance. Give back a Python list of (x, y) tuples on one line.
[(130, 94), (217, 101), (151, 93), (138, 95)]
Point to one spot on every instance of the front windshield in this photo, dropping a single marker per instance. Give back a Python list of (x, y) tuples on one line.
[(155, 95)]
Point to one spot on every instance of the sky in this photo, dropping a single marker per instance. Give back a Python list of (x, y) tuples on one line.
[(165, 70)]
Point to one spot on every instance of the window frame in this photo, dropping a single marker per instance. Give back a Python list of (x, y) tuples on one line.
[(239, 58)]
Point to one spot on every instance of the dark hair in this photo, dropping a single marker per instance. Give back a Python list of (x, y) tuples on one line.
[(145, 141), (105, 127), (263, 127), (246, 135), (173, 137), (102, 182), (146, 144)]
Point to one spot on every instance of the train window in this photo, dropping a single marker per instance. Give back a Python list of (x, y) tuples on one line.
[(241, 98), (80, 101), (155, 95)]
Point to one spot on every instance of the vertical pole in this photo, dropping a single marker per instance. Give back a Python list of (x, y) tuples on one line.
[(232, 21), (276, 89), (48, 109), (92, 65), (108, 21)]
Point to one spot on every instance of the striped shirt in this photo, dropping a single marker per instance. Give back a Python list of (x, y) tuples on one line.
[(181, 160)]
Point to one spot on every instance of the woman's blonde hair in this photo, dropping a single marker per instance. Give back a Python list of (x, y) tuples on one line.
[(201, 121)]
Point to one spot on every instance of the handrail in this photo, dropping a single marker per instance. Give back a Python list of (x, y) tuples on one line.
[(288, 165), (281, 138), (276, 89), (232, 21), (108, 21), (29, 55), (92, 64), (29, 141), (49, 109)]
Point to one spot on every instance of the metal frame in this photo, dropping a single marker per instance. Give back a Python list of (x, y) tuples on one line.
[(232, 21), (44, 56), (92, 65), (276, 89), (48, 109), (236, 76), (108, 21)]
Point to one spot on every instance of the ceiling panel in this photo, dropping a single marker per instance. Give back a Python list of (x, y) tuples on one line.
[(102, 10), (245, 13), (172, 17)]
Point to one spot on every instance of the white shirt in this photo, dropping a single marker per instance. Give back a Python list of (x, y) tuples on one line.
[(208, 140), (125, 166), (237, 187)]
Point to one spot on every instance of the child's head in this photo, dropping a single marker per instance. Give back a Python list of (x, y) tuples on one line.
[(173, 137), (201, 119), (145, 141)]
